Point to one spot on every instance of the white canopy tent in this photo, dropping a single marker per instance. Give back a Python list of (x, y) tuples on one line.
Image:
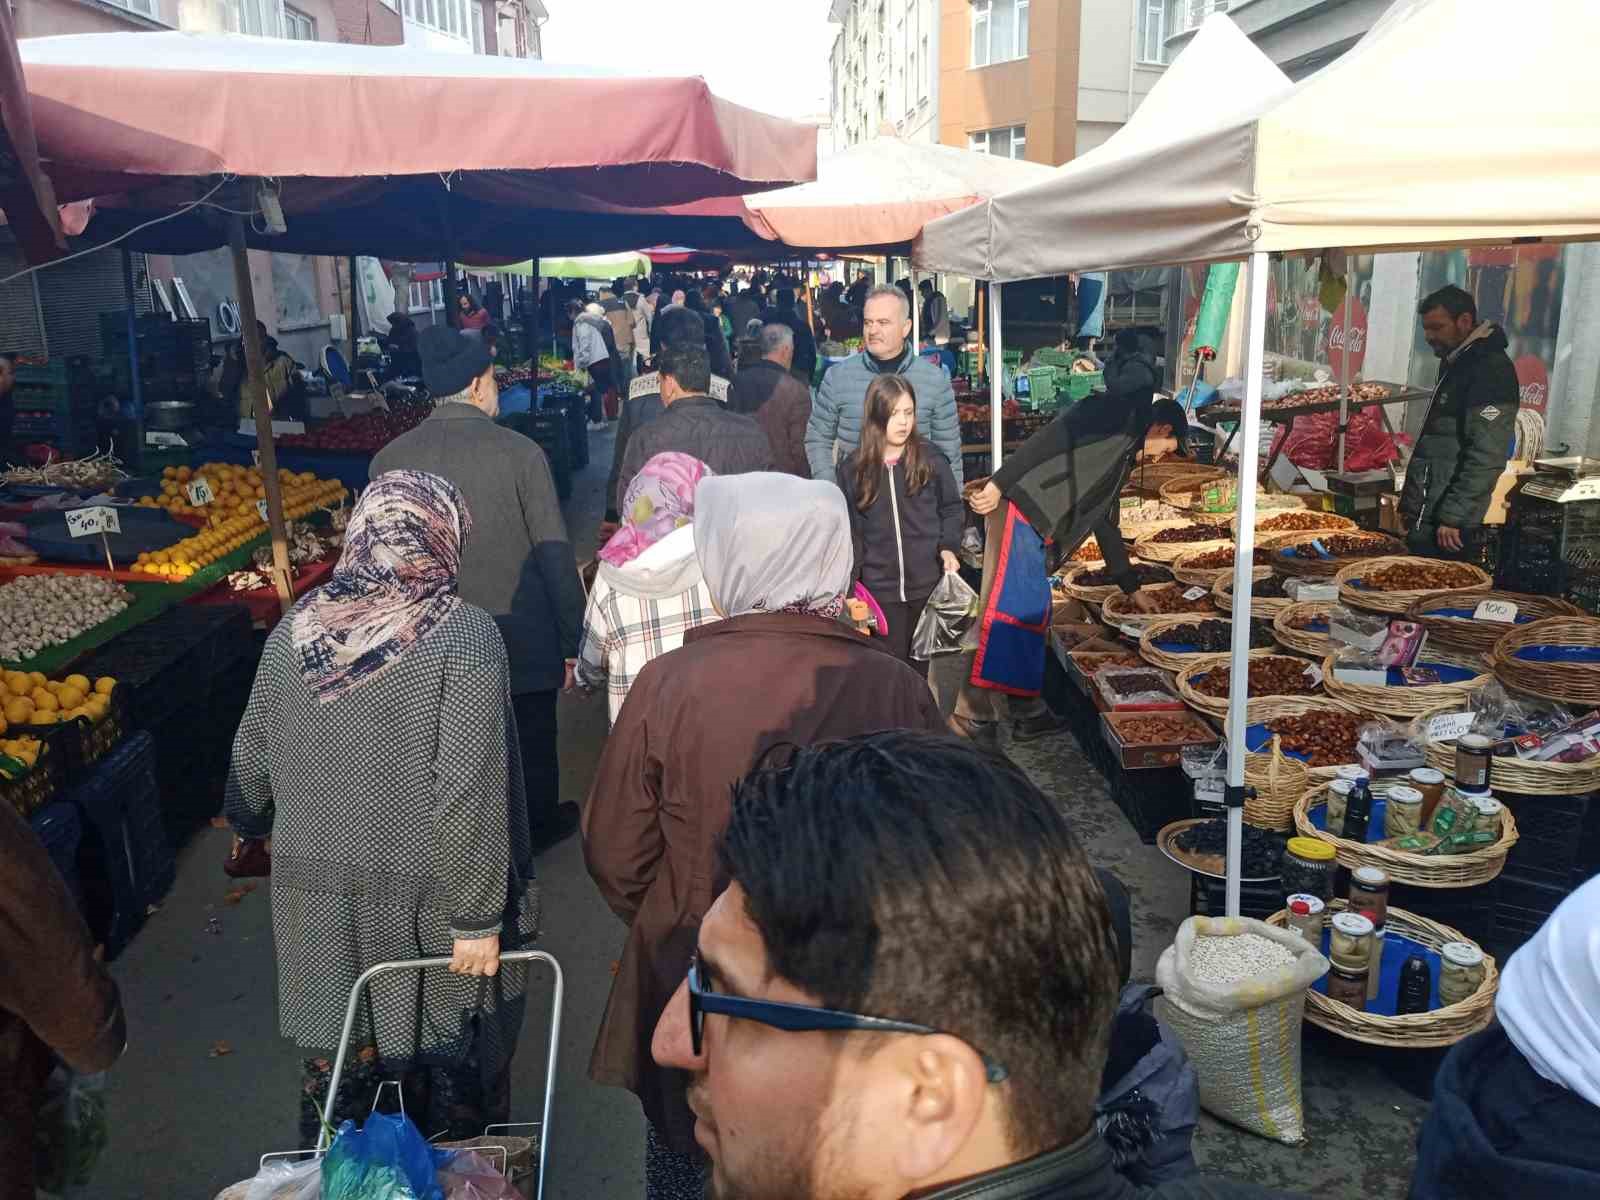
[(1371, 153)]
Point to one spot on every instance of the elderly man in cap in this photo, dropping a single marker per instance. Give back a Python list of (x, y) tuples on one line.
[(518, 564)]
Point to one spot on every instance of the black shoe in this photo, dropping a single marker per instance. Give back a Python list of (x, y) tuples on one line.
[(983, 734), (558, 828), (1043, 725)]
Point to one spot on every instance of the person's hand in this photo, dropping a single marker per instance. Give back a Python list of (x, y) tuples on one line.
[(952, 564), (607, 530), (1145, 602), (476, 956), (985, 500), (570, 683), (1449, 538)]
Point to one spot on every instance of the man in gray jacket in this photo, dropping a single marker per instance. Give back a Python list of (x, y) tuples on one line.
[(835, 428), (518, 564)]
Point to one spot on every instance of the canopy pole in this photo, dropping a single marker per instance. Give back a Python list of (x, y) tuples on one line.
[(916, 317), (1344, 368), (1243, 573), (531, 312), (135, 388), (355, 315), (997, 377), (261, 403), (982, 334)]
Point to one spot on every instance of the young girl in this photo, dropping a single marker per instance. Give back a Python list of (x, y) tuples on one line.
[(905, 510)]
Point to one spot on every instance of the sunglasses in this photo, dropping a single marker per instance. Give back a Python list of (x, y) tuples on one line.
[(797, 1018)]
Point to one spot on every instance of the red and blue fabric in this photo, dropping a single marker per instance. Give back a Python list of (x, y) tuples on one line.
[(1011, 642)]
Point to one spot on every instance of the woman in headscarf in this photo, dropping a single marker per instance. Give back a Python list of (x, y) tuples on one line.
[(648, 591), (779, 669), (378, 752)]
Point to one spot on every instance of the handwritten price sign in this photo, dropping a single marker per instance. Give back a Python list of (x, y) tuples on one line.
[(200, 493), (1449, 726), (261, 507), (86, 522), (1503, 611)]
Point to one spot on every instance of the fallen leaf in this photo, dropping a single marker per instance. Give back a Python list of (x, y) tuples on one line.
[(616, 966), (219, 822), (218, 1049)]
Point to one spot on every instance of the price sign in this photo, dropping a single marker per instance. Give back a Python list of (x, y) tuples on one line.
[(255, 457), (85, 522), (166, 440), (200, 493), (1447, 727), (1495, 610), (261, 507), (1132, 631), (1194, 593)]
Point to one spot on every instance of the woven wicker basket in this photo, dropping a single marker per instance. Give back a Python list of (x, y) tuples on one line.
[(1517, 775), (1261, 607), (1216, 706), (1419, 870), (1408, 701), (1197, 576), (1169, 552), (1183, 490), (1118, 610), (1396, 603), (1315, 645), (1464, 633), (1165, 659), (1271, 708), (1279, 782), (1318, 568), (1132, 531), (1569, 683), (1089, 595), (1147, 479), (1414, 1031), (1333, 523)]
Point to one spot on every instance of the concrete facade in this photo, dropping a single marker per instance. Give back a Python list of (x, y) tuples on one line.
[(1299, 35), (1113, 75), (884, 71)]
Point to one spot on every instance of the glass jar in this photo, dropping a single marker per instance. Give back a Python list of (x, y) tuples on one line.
[(1307, 923), (1431, 784), (1308, 867), (1461, 971), (1488, 815), (1338, 798), (1350, 943), (1473, 752), (1402, 811), (1349, 772), (1369, 894), (1347, 985)]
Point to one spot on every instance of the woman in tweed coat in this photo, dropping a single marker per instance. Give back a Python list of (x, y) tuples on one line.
[(379, 752)]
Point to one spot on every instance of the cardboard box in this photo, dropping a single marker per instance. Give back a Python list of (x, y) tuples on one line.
[(1500, 501), (1142, 756)]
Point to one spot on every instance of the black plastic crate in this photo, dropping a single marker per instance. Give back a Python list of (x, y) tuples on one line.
[(60, 830), (1523, 906), (1558, 837), (1150, 799), (127, 862), (1208, 897), (1471, 910)]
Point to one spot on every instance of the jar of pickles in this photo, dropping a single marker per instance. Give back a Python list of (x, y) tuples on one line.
[(1369, 894), (1347, 985), (1461, 971), (1350, 944), (1306, 913), (1431, 784), (1488, 811), (1338, 798), (1308, 867), (1402, 811)]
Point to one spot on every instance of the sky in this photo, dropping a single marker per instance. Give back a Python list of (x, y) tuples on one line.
[(767, 54)]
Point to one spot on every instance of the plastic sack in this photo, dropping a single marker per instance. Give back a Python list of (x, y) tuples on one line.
[(386, 1159), (71, 1131), (950, 613), (281, 1179), (469, 1175), (1243, 1037), (1313, 441)]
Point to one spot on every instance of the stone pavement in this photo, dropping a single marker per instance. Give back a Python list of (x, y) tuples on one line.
[(208, 1085)]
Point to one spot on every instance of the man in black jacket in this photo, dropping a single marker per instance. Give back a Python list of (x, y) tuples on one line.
[(876, 1036), (1468, 432), (785, 311), (694, 423)]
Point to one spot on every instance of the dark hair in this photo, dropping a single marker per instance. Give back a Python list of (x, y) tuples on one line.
[(785, 297), (1167, 411), (911, 876), (687, 362), (1458, 302), (883, 393), (678, 326)]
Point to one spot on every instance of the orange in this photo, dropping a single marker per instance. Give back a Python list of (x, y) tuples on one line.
[(19, 710), (104, 685)]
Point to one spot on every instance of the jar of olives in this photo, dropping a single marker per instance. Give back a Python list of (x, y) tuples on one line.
[(1350, 943), (1307, 867), (1461, 971), (1338, 798)]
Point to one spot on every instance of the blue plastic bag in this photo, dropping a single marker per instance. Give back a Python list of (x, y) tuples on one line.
[(387, 1159)]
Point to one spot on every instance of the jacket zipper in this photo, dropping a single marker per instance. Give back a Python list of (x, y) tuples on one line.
[(899, 546)]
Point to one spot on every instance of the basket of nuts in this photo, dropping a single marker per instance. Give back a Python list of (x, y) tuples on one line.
[(1274, 521), (1303, 628), (1169, 545), (1393, 583), (1205, 567), (1092, 583), (1166, 599), (1267, 597), (1172, 642), (1450, 621), (1324, 555), (1205, 684), (1318, 731)]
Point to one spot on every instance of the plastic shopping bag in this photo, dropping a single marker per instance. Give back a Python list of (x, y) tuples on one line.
[(470, 1175), (282, 1179), (950, 612), (71, 1131), (386, 1159)]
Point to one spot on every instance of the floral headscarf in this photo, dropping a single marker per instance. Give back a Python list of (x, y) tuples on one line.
[(395, 581), (659, 500)]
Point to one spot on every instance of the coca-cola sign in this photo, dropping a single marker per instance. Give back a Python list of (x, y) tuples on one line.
[(1533, 380), (1357, 338)]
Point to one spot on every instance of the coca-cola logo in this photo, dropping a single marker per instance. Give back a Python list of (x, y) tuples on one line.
[(1533, 382), (1358, 339), (1311, 310), (1533, 395)]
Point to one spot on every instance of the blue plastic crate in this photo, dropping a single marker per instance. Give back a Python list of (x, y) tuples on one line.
[(60, 830), (130, 862)]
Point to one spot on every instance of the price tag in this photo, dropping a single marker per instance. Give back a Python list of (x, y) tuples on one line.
[(84, 522), (1447, 727), (1495, 610), (1132, 631), (1194, 593), (255, 457), (261, 507), (165, 440), (200, 493)]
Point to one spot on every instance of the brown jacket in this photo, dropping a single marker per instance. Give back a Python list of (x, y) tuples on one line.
[(696, 720), (782, 405), (54, 996)]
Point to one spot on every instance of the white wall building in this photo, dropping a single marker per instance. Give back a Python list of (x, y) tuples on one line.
[(884, 70)]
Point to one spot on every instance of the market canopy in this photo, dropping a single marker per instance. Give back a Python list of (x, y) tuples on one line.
[(878, 195), (434, 147), (1371, 152), (28, 201), (598, 266)]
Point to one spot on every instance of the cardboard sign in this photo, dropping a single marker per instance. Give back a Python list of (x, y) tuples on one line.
[(1447, 727), (1496, 610), (200, 493), (85, 522), (1194, 593)]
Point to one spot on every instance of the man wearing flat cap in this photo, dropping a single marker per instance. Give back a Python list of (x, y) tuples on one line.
[(518, 563)]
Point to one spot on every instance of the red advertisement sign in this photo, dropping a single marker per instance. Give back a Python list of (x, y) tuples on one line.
[(1534, 381), (1357, 339)]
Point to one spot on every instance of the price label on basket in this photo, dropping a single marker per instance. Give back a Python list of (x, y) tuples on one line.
[(1447, 727), (200, 493), (1194, 593), (85, 522), (1132, 631), (1495, 610), (261, 507)]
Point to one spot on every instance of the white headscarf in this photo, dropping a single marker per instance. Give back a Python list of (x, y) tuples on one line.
[(771, 542), (1549, 999)]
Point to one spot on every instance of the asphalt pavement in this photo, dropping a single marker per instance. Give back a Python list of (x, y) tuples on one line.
[(207, 1085)]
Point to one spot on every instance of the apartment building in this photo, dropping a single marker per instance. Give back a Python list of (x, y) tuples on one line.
[(1301, 36), (884, 71)]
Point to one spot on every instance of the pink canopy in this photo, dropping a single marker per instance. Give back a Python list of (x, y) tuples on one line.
[(878, 195)]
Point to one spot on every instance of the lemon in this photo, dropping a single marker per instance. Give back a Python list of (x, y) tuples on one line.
[(43, 702), (38, 678), (81, 682), (105, 685), (19, 710), (18, 684), (45, 717), (69, 697)]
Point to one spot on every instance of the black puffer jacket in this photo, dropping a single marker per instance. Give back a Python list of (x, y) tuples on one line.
[(897, 540), (729, 443), (1466, 437)]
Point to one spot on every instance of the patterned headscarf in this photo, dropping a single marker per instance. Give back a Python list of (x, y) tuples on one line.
[(395, 581), (659, 500), (770, 542)]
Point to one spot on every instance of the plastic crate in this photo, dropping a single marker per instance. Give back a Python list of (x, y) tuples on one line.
[(1558, 837), (1522, 906), (81, 743), (129, 864), (1208, 897), (1051, 357), (1077, 386), (60, 831), (1041, 386), (40, 787), (1150, 799)]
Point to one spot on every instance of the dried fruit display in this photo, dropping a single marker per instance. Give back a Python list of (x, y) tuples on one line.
[(1273, 676), (1144, 572), (1199, 532), (1214, 636), (1222, 556), (1301, 522), (1170, 599), (1327, 739), (1420, 577), (1158, 729)]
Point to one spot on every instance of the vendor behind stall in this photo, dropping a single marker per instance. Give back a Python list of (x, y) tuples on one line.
[(1468, 432)]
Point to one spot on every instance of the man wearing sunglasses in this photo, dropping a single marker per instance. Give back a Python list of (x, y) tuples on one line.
[(906, 989)]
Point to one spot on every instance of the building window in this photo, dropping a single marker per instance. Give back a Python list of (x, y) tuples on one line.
[(1183, 16), (1152, 31), (999, 31), (146, 7), (446, 16), (1009, 142), (297, 26), (477, 26), (259, 18)]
